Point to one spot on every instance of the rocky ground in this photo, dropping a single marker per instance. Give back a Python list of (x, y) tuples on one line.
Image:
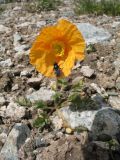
[(89, 131)]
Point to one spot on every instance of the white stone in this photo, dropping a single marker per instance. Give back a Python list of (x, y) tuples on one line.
[(6, 63), (15, 111), (115, 101), (4, 29), (99, 90), (93, 34), (76, 119), (87, 71), (42, 94)]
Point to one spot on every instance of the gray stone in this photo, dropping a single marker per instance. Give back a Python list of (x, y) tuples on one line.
[(15, 111), (93, 34), (42, 94), (115, 101), (107, 121), (87, 71), (15, 139), (6, 63), (100, 100), (34, 81), (99, 122)]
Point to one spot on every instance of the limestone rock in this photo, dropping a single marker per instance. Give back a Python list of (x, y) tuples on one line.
[(87, 71), (42, 94), (93, 34), (15, 111)]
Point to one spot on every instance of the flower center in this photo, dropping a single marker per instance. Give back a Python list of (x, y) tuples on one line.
[(58, 49)]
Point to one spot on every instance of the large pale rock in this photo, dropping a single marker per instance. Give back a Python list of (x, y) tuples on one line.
[(42, 94), (93, 34), (15, 139), (76, 119), (99, 122), (15, 111)]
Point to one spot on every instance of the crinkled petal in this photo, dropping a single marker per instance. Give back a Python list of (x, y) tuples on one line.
[(68, 64), (73, 37), (43, 62)]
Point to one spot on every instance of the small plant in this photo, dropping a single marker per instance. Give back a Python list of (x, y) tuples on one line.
[(79, 103), (41, 105), (1, 9), (81, 129), (90, 48), (42, 121), (78, 87), (109, 7), (57, 97), (63, 84), (47, 5), (23, 101)]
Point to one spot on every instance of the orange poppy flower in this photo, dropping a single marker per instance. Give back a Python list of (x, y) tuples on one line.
[(56, 48)]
